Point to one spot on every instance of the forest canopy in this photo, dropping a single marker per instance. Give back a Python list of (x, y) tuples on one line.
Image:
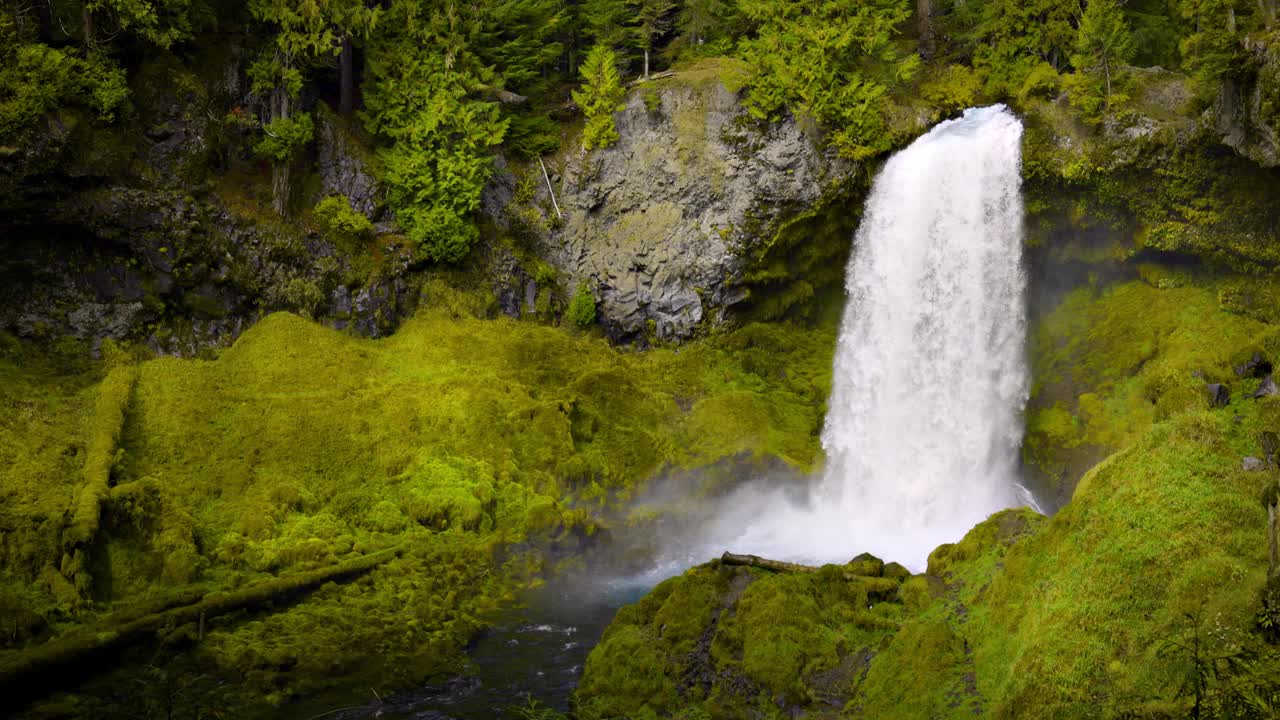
[(441, 87)]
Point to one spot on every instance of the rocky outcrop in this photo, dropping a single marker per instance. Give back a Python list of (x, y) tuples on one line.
[(344, 164), (1247, 112), (664, 225), (180, 274), (126, 232)]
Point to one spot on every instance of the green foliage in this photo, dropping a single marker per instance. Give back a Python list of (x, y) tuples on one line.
[(284, 137), (1103, 44), (37, 79), (301, 448), (420, 101), (599, 97), (1212, 50), (1010, 38), (955, 88), (337, 217), (582, 307), (653, 19), (831, 61)]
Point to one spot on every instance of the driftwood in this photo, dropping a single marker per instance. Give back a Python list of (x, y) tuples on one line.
[(775, 565), (655, 76), (550, 189), (506, 97), (878, 588)]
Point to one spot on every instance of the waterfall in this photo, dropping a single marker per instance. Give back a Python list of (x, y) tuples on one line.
[(925, 416)]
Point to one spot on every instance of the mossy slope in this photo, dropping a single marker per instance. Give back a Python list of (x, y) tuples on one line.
[(479, 447)]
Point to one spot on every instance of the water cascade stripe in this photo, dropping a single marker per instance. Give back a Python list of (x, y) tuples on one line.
[(925, 417)]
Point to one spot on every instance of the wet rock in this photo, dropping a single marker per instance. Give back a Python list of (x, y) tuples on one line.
[(1255, 366), (343, 163), (1241, 115), (1253, 464), (1270, 445), (1267, 388), (1219, 394)]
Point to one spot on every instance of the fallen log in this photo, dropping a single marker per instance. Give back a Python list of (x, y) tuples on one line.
[(26, 674), (652, 76), (878, 588), (756, 561)]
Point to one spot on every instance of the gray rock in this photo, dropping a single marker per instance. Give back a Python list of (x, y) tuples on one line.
[(1240, 114), (1219, 394), (1253, 464), (1268, 387), (1255, 366), (663, 223), (344, 164)]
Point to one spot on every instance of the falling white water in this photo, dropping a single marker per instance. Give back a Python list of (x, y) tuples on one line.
[(930, 380)]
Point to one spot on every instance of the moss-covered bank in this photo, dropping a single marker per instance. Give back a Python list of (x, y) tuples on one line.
[(483, 450)]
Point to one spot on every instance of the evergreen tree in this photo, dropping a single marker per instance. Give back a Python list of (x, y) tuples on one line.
[(423, 80), (698, 19), (830, 60), (600, 97), (1214, 48), (605, 21), (653, 18), (1011, 38), (1103, 42), (305, 31)]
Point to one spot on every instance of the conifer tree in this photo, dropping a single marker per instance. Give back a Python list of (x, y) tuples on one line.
[(1104, 41), (424, 75), (600, 97), (305, 31), (699, 18), (605, 21), (653, 18)]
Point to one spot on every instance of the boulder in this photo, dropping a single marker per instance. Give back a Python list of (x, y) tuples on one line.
[(1253, 464), (896, 571), (1219, 394), (1255, 366), (1267, 388), (866, 564)]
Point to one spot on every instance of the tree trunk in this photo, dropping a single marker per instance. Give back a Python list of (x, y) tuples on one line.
[(346, 79), (86, 23), (280, 168), (1268, 10), (646, 63), (924, 15), (1273, 554), (1106, 69)]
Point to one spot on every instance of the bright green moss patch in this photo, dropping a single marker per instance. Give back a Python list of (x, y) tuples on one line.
[(301, 448), (1075, 623), (1109, 363)]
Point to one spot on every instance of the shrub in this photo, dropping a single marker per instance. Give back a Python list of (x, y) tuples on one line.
[(338, 218), (582, 308)]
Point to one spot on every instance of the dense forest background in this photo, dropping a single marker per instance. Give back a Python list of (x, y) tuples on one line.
[(440, 86)]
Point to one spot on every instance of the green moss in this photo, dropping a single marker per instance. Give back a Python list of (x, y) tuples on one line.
[(1107, 364), (1073, 625), (301, 448)]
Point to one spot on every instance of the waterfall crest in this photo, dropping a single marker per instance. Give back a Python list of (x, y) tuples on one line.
[(925, 416)]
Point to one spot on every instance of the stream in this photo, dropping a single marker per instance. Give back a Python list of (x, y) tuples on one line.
[(536, 651)]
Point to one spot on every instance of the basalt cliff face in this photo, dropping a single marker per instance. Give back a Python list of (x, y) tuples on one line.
[(674, 227)]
